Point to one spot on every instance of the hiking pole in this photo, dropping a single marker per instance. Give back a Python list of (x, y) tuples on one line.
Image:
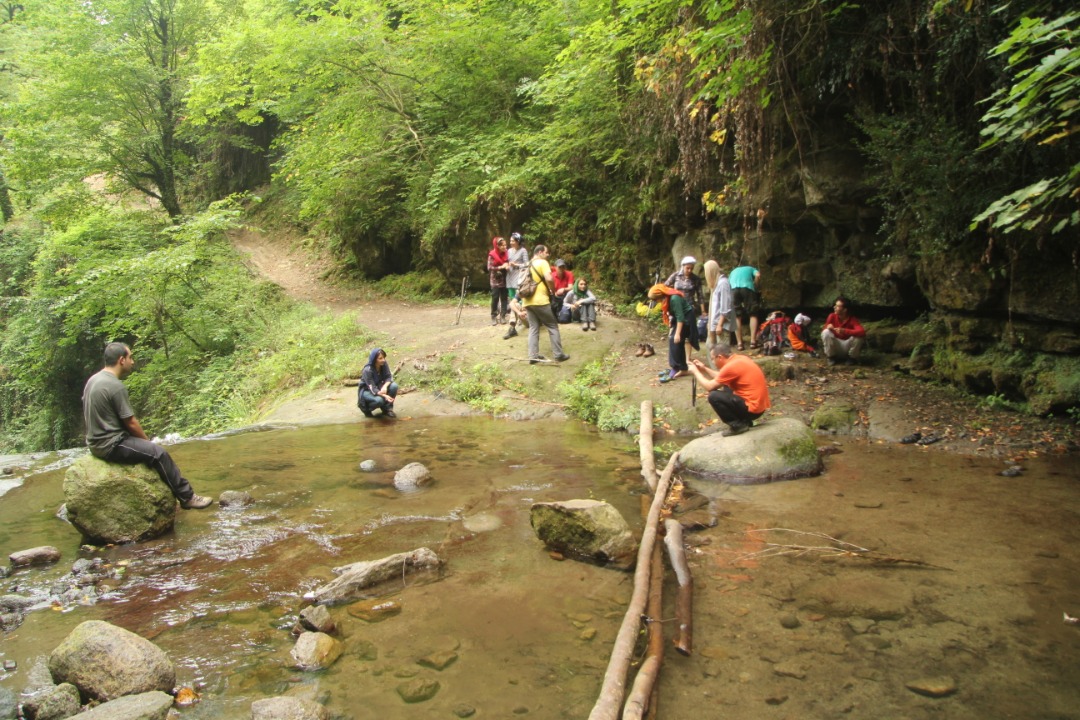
[(693, 390), (461, 303)]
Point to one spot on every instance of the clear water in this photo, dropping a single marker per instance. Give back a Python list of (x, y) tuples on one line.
[(533, 635)]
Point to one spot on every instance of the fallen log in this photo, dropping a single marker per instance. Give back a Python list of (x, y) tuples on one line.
[(643, 695), (684, 600), (355, 578), (613, 689), (645, 445)]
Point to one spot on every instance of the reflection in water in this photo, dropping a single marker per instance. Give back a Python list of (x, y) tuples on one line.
[(807, 635)]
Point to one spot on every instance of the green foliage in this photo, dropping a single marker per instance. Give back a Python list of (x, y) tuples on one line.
[(426, 285), (591, 398), (479, 387), (1040, 108)]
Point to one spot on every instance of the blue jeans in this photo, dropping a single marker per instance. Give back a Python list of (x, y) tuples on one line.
[(369, 402)]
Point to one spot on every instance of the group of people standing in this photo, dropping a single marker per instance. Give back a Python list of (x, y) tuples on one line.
[(737, 388)]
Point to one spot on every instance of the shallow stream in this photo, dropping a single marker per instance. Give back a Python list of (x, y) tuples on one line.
[(975, 573)]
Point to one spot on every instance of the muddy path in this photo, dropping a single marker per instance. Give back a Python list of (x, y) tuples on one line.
[(887, 404)]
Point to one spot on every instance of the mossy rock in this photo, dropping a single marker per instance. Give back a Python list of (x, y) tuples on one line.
[(835, 417), (111, 503), (776, 449)]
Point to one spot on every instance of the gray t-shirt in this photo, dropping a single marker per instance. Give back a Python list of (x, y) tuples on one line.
[(105, 406)]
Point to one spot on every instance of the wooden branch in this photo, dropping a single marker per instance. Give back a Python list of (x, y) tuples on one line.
[(684, 601), (645, 445), (614, 687), (642, 695), (840, 548)]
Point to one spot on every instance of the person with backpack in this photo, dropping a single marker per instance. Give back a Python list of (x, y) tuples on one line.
[(538, 307)]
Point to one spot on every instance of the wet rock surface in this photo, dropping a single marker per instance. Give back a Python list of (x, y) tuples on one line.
[(315, 651), (44, 555), (288, 708), (359, 579), (412, 476), (235, 499), (418, 690), (153, 705)]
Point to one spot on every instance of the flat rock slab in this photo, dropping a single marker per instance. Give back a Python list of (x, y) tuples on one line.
[(418, 690), (374, 611), (144, 706), (776, 449), (935, 687), (288, 708)]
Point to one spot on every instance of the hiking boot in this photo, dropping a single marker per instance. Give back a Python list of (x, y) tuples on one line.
[(367, 413), (494, 320), (512, 332), (584, 326), (562, 358), (640, 350), (537, 359), (649, 352), (389, 412), (196, 502), (502, 319), (592, 326), (736, 428)]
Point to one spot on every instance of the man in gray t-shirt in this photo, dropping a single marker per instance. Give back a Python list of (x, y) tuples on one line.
[(114, 434)]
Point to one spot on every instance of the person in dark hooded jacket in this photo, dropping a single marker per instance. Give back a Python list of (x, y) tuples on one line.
[(377, 389)]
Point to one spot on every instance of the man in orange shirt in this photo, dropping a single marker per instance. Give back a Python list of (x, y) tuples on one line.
[(737, 388)]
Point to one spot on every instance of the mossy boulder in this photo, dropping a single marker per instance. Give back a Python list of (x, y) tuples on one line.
[(835, 417), (585, 529), (106, 662), (111, 503), (776, 449)]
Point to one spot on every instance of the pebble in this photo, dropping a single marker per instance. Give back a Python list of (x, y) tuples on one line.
[(790, 669), (11, 665), (860, 626), (789, 621), (418, 691), (464, 711), (439, 660), (1011, 471), (935, 687), (588, 634), (867, 505), (776, 699), (235, 499), (368, 466), (521, 710), (34, 556), (1050, 554)]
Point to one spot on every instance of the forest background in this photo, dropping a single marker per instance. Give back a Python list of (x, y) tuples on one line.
[(918, 154)]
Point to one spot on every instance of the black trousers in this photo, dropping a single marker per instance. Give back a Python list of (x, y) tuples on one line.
[(730, 407), (500, 301), (136, 451)]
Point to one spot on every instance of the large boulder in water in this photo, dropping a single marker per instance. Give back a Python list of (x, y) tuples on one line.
[(778, 449), (106, 662), (112, 503), (585, 529)]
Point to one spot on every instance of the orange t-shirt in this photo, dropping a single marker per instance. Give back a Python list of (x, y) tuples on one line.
[(746, 380)]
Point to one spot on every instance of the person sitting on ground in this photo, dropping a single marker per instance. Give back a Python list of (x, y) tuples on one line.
[(744, 294), (377, 390), (679, 316), (843, 336), (518, 259), (114, 434), (772, 337), (689, 284), (798, 334), (738, 392), (498, 264), (562, 282), (580, 305)]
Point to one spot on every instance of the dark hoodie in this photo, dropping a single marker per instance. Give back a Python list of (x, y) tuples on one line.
[(371, 379)]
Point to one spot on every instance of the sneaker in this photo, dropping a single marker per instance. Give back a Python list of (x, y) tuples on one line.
[(537, 359), (196, 502), (502, 319), (389, 412), (592, 326), (512, 332), (562, 358), (584, 326), (494, 320), (736, 428), (367, 413)]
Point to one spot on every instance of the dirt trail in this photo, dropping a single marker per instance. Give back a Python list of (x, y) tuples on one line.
[(887, 404)]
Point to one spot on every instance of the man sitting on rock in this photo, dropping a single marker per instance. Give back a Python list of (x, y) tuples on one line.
[(114, 434), (737, 388), (843, 336)]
